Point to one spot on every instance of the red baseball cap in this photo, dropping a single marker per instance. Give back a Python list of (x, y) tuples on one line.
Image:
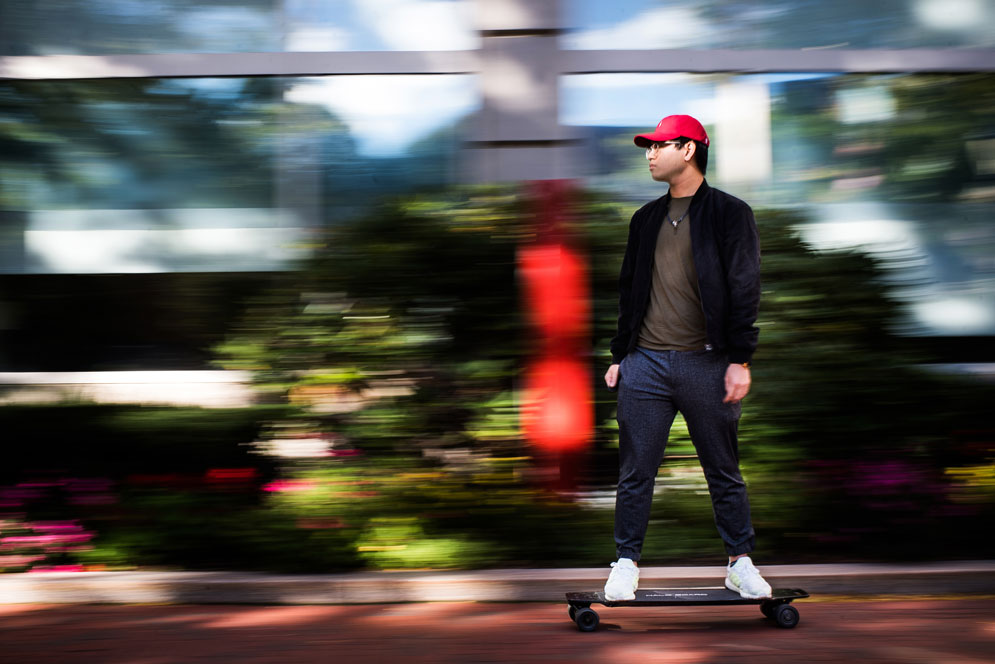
[(671, 127)]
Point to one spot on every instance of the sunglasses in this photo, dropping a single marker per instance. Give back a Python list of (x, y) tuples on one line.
[(653, 147)]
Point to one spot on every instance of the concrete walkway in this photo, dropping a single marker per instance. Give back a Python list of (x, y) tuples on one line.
[(502, 585), (884, 631)]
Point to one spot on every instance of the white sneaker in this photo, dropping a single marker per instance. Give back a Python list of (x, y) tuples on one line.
[(623, 581), (743, 578)]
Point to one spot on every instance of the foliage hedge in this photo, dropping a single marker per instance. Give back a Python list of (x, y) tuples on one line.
[(114, 441), (401, 344)]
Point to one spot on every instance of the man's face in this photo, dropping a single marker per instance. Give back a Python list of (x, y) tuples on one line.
[(666, 159)]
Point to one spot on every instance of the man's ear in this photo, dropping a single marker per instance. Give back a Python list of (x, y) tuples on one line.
[(689, 155)]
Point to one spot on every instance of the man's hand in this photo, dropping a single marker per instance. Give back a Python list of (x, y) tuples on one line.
[(611, 376), (737, 383)]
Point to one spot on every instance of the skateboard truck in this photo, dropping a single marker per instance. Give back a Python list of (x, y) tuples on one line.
[(777, 607)]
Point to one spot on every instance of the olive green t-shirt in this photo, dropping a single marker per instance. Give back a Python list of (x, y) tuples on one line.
[(674, 319)]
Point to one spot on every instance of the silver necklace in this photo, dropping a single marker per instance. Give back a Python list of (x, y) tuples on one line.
[(674, 222)]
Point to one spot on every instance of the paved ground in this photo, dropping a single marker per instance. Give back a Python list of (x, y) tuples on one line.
[(946, 630), (493, 585)]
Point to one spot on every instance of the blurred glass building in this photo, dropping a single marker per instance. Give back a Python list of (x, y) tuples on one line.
[(158, 159)]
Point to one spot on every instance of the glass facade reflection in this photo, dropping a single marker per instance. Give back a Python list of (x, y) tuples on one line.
[(900, 165), (100, 27), (215, 161), (783, 24), (162, 175)]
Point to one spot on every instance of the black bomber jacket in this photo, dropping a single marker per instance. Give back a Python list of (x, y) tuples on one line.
[(726, 250)]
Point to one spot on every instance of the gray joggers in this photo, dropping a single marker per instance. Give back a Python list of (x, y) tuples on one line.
[(653, 386)]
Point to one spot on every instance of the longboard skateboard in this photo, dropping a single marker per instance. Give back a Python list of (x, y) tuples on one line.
[(778, 607)]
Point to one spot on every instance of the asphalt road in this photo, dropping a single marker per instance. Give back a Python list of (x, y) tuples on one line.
[(948, 630)]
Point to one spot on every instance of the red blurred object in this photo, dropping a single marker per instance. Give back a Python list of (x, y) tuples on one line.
[(555, 291), (231, 474), (557, 414)]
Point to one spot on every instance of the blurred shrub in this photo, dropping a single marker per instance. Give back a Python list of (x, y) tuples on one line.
[(411, 318), (396, 351), (115, 441), (846, 438), (98, 485), (404, 331), (400, 513)]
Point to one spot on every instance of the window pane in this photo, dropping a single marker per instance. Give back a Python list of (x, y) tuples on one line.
[(225, 174), (901, 165), (96, 27), (649, 24)]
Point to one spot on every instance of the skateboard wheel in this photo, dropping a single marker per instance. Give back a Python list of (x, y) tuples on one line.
[(573, 612), (786, 616), (767, 608), (587, 620)]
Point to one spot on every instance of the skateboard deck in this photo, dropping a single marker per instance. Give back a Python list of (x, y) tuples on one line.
[(777, 607)]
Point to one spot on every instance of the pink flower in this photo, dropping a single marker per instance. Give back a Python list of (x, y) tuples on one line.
[(290, 485), (351, 452), (29, 539), (42, 540), (18, 561), (56, 526), (15, 497)]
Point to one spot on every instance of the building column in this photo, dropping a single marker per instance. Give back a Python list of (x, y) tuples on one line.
[(516, 135)]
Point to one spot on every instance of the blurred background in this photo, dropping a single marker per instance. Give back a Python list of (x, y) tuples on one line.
[(308, 286)]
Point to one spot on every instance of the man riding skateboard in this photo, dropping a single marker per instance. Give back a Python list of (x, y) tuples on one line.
[(689, 291)]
